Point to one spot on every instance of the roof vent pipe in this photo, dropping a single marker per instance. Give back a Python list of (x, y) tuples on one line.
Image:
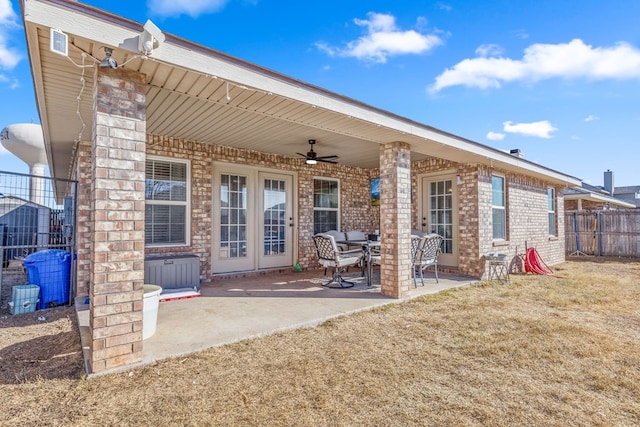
[(26, 142)]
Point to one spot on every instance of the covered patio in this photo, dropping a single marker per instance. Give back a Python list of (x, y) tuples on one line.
[(234, 310), (179, 149)]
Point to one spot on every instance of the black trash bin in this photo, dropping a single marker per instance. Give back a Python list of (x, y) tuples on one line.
[(51, 270)]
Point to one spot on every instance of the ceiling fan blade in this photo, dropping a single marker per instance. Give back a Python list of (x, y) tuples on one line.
[(303, 155), (320, 159), (327, 157)]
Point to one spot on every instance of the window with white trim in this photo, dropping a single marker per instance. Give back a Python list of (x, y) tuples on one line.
[(326, 197), (551, 211), (498, 208), (167, 201)]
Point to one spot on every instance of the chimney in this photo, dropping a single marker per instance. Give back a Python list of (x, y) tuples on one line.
[(516, 153), (608, 182)]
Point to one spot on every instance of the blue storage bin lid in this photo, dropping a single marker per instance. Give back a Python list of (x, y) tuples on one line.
[(47, 255)]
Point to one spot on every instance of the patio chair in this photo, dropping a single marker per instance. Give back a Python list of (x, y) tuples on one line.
[(426, 256), (338, 236), (330, 256), (416, 243), (357, 237), (375, 258)]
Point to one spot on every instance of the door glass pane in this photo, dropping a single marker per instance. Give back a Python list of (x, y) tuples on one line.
[(441, 212), (233, 216), (275, 210)]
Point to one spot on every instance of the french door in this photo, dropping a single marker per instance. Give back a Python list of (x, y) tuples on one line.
[(252, 219), (439, 214), (275, 220)]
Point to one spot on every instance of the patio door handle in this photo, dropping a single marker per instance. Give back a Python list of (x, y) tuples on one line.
[(290, 222)]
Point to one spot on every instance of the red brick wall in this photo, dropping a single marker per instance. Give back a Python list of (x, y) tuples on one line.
[(527, 218), (356, 210), (526, 203), (82, 174), (395, 230), (588, 205)]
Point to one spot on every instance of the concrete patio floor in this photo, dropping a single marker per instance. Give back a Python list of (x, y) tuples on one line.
[(239, 309)]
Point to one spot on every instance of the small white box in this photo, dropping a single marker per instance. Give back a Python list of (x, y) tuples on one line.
[(24, 299)]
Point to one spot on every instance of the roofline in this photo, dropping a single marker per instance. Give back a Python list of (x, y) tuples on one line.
[(595, 197), (233, 69)]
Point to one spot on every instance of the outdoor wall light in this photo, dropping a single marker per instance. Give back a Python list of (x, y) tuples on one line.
[(108, 61)]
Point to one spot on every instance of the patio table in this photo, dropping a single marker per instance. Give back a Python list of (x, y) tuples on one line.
[(498, 267), (366, 245)]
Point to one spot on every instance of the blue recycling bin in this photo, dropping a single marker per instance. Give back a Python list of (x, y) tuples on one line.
[(51, 270)]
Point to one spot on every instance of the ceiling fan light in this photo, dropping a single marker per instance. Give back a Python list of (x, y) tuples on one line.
[(311, 161)]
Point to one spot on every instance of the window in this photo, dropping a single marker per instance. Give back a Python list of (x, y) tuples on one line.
[(498, 208), (166, 190), (551, 209), (326, 195)]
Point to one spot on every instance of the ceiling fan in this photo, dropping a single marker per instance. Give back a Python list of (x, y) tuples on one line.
[(312, 157)]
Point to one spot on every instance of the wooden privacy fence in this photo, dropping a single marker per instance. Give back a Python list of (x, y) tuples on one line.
[(603, 233)]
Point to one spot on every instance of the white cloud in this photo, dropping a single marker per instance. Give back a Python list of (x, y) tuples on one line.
[(9, 57), (382, 40), (545, 61), (489, 50), (7, 15), (591, 118), (541, 129), (495, 136), (192, 8)]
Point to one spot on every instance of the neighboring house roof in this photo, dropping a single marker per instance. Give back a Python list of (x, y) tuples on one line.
[(629, 194), (594, 194), (10, 203), (202, 95), (632, 189)]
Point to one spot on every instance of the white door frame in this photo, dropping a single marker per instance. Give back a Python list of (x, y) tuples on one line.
[(254, 259), (285, 226), (424, 221)]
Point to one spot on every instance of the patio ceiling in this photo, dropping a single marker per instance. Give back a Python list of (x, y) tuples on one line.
[(203, 95)]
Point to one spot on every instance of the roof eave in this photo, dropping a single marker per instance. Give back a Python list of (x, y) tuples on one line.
[(111, 30)]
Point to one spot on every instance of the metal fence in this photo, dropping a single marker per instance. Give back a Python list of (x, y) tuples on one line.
[(603, 233), (36, 213)]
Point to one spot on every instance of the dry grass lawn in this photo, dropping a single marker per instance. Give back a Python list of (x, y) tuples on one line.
[(552, 351)]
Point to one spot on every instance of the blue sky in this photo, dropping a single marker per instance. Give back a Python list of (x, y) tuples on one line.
[(560, 80)]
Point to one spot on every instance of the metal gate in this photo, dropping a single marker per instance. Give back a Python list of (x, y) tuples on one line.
[(36, 213)]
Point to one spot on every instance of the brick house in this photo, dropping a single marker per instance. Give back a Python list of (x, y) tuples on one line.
[(183, 149)]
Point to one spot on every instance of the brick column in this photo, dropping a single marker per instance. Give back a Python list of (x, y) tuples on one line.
[(118, 203), (395, 219), (83, 217)]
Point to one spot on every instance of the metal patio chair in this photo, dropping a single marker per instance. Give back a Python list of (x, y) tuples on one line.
[(330, 256), (426, 255)]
